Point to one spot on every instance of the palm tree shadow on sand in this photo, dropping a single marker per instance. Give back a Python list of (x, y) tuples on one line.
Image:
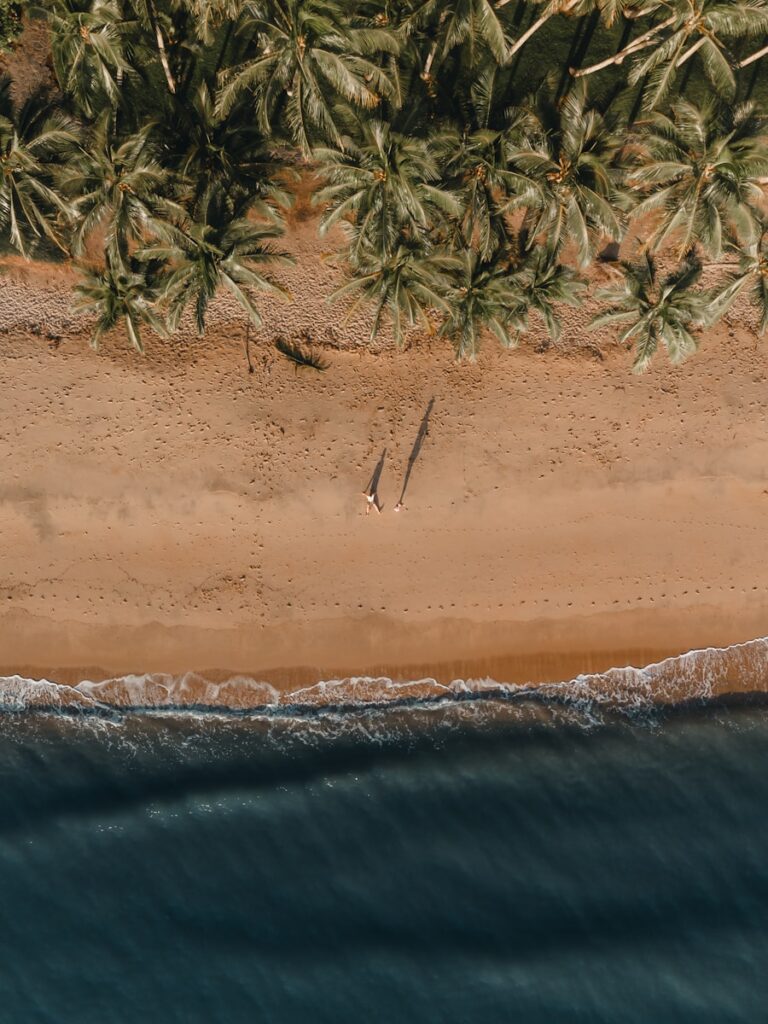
[(422, 433)]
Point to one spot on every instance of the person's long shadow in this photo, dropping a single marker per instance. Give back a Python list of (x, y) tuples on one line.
[(373, 485), (423, 431)]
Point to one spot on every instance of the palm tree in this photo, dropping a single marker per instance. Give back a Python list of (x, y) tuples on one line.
[(481, 297), (698, 171), (309, 59), (33, 141), (120, 189), (499, 295), (474, 25), (751, 277), (87, 45), (658, 310), (407, 284), (213, 152), (119, 294), (149, 18), (703, 27), (608, 11), (210, 15), (476, 167), (385, 189), (541, 284), (211, 253), (569, 163)]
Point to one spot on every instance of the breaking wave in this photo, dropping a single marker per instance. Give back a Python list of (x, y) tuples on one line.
[(698, 675)]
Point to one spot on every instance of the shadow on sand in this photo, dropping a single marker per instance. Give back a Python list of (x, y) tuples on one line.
[(422, 433), (371, 492)]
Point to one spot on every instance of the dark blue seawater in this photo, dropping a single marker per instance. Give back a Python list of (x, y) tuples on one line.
[(391, 867)]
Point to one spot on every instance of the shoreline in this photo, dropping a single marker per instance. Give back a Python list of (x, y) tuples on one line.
[(443, 651)]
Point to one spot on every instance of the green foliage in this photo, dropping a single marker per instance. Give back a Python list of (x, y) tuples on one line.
[(708, 29), (698, 171), (310, 56), (664, 310), (408, 284), (212, 252), (10, 23), (34, 139), (389, 184), (476, 153), (116, 295), (569, 159), (120, 191), (750, 278)]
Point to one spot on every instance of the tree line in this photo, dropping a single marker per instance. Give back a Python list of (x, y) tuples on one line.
[(479, 155)]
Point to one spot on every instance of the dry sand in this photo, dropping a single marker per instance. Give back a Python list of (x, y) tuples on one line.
[(172, 512)]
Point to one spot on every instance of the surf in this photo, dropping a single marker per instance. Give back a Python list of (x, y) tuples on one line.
[(698, 675)]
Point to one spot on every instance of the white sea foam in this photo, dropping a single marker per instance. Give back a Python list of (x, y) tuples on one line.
[(698, 674), (160, 690)]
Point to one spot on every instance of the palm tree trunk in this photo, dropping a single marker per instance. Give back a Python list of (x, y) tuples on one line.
[(152, 15), (755, 56), (691, 50), (428, 62), (648, 39), (539, 23)]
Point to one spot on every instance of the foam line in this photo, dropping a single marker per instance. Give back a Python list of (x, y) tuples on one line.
[(698, 674)]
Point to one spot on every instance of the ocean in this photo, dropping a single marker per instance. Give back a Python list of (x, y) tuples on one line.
[(374, 853)]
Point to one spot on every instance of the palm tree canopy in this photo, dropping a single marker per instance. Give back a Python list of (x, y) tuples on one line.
[(33, 141), (698, 172), (309, 57), (477, 167), (223, 153), (472, 184), (388, 184), (704, 28), (481, 297), (87, 44), (475, 25), (658, 310), (115, 295), (119, 188), (408, 284), (751, 277), (211, 253), (542, 284), (569, 161)]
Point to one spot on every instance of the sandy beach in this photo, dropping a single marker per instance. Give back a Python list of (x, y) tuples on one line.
[(174, 513)]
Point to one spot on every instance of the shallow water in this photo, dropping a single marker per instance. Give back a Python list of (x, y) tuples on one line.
[(450, 862)]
